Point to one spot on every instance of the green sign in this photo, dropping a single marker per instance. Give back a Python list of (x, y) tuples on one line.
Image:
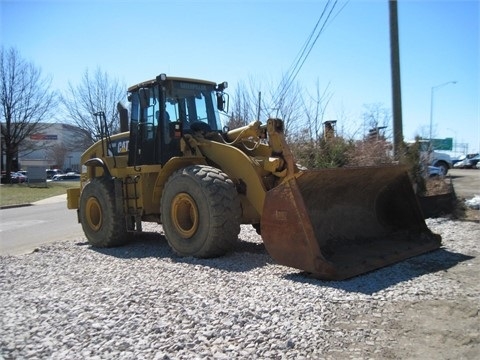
[(442, 144)]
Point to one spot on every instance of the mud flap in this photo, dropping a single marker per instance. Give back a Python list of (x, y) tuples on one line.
[(339, 223)]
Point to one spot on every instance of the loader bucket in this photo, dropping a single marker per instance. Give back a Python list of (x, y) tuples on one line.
[(339, 223)]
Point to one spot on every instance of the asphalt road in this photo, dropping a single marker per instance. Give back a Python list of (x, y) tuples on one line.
[(466, 182), (23, 229)]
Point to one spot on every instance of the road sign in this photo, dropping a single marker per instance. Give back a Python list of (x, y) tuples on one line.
[(442, 144)]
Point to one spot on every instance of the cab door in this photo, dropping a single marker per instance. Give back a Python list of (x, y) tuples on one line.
[(144, 126)]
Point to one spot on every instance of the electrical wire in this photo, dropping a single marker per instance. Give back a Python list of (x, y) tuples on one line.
[(325, 19)]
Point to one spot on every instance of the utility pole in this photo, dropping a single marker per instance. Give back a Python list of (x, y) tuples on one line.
[(396, 84)]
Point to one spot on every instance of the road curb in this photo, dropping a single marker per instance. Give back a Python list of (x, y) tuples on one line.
[(49, 200), (14, 206)]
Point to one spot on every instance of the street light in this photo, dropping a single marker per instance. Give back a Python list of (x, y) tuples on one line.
[(431, 104)]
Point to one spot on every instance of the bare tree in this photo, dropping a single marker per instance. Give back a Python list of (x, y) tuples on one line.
[(288, 107), (314, 109), (377, 116), (251, 103), (95, 93), (58, 153), (374, 149), (242, 108), (26, 100)]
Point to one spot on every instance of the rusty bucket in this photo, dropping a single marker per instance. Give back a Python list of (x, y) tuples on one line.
[(339, 223)]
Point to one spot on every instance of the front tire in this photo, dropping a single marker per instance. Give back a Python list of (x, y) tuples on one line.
[(102, 224), (200, 212), (444, 166)]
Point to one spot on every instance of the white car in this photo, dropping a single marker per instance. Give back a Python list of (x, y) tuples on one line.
[(468, 162), (68, 176), (433, 158)]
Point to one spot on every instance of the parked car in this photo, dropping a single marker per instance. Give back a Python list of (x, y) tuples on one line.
[(21, 177), (460, 158), (15, 178), (470, 161), (52, 172), (431, 157), (68, 176)]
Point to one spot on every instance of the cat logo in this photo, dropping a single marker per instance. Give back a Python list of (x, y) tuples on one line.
[(122, 147)]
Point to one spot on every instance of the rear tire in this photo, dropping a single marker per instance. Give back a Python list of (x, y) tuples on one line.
[(200, 212), (102, 224)]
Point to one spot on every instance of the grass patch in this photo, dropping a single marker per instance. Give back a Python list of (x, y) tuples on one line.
[(15, 194)]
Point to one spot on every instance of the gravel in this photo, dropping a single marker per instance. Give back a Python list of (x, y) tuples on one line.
[(71, 301)]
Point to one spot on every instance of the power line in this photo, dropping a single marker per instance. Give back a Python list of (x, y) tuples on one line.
[(294, 67), (325, 19)]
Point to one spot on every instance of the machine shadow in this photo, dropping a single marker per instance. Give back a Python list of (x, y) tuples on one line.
[(143, 245), (155, 245), (383, 278), (247, 256)]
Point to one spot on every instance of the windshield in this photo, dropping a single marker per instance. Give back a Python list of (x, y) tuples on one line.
[(191, 102)]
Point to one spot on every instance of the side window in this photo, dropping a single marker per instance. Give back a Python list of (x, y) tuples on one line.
[(150, 117), (135, 109)]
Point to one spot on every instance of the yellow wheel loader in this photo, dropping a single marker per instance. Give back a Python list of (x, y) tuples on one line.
[(173, 164)]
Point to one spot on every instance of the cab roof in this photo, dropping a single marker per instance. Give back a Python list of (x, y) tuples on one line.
[(152, 82)]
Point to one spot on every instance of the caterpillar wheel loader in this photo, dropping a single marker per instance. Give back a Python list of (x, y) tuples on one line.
[(173, 164)]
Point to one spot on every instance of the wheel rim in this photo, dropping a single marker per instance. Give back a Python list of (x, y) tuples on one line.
[(93, 212), (185, 215)]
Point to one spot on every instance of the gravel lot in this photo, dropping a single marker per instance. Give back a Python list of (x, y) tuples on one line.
[(70, 301)]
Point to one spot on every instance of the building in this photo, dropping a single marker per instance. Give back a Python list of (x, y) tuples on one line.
[(54, 146)]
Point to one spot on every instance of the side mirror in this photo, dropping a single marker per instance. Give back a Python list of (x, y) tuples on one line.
[(222, 101)]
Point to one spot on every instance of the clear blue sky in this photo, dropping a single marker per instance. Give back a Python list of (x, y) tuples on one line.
[(238, 40)]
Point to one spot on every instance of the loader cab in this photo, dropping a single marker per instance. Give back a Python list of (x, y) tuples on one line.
[(164, 109)]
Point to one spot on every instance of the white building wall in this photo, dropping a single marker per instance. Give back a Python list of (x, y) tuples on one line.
[(67, 141)]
